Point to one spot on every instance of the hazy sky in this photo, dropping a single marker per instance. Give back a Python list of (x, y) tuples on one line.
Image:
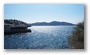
[(31, 13)]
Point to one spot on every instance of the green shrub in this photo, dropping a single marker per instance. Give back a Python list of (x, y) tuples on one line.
[(77, 37)]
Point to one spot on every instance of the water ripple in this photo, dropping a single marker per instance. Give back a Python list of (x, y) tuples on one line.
[(41, 37)]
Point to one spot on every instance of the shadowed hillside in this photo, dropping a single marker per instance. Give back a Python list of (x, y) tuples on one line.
[(15, 26), (14, 22)]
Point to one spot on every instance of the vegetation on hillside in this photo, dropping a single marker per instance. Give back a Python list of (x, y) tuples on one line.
[(77, 37), (14, 22)]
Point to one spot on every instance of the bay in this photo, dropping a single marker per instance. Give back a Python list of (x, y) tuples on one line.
[(40, 37)]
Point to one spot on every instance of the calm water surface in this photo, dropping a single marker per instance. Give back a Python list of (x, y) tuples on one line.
[(41, 37)]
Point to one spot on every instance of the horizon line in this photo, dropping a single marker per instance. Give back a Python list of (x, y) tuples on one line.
[(42, 21)]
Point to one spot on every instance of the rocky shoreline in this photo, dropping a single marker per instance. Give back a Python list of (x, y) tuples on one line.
[(17, 31), (15, 26)]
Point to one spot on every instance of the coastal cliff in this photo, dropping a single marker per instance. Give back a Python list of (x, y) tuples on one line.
[(15, 26)]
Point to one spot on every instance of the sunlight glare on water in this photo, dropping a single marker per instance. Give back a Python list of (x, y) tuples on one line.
[(41, 37)]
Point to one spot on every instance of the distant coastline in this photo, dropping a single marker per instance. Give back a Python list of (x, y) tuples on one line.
[(53, 23)]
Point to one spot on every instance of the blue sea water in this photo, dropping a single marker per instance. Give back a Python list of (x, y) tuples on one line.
[(41, 37)]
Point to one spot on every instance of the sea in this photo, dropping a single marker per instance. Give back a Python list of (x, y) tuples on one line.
[(40, 37)]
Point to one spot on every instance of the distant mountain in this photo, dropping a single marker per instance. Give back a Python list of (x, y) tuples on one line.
[(53, 23)]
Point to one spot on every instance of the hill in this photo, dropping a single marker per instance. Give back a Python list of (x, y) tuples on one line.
[(53, 23)]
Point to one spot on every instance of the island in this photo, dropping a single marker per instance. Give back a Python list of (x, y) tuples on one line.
[(15, 26)]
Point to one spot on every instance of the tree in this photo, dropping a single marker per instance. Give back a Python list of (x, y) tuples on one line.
[(77, 37)]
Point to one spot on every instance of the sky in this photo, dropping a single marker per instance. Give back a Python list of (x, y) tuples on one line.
[(30, 13)]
